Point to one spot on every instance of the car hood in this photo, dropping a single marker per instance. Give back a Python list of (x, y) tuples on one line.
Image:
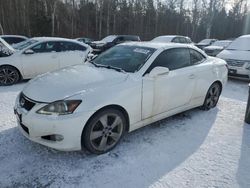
[(5, 48), (71, 81), (235, 54), (214, 48)]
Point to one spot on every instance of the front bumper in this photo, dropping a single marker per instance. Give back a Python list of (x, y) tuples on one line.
[(37, 127), (239, 72)]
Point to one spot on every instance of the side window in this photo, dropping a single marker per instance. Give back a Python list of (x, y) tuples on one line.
[(188, 40), (196, 57), (176, 40), (69, 46), (80, 48), (46, 47), (173, 59), (50, 47), (9, 40), (120, 39), (38, 48), (183, 40)]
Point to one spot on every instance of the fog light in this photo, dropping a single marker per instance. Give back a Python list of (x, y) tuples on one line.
[(54, 137)]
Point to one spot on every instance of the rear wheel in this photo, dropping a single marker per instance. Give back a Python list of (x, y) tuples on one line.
[(103, 132), (212, 96), (8, 75)]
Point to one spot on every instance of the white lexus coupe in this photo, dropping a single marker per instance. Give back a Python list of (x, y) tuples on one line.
[(127, 87), (37, 56)]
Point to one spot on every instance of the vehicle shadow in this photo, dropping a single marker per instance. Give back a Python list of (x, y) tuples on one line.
[(243, 173), (141, 158)]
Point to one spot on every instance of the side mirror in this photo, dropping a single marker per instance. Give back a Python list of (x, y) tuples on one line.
[(28, 52), (158, 71)]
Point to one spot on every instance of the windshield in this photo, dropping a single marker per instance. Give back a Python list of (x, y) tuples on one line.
[(162, 39), (109, 38), (127, 58), (242, 43), (24, 44), (222, 43), (205, 41)]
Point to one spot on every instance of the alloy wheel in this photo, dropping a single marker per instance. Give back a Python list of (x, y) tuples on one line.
[(213, 96), (106, 132), (8, 76)]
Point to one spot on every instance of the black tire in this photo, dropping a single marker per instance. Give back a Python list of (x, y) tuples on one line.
[(97, 132), (8, 75), (212, 96)]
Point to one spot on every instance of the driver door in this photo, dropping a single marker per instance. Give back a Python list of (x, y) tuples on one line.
[(43, 59), (169, 91)]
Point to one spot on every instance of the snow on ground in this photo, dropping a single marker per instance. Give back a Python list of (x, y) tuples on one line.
[(193, 149)]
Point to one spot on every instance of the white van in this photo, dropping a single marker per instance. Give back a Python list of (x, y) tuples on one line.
[(237, 56)]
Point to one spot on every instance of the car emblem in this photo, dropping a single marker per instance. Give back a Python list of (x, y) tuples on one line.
[(22, 101)]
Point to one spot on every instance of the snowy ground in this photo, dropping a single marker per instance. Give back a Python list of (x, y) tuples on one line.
[(194, 149)]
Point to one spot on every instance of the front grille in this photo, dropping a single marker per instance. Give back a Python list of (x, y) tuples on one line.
[(26, 103), (26, 129), (235, 63)]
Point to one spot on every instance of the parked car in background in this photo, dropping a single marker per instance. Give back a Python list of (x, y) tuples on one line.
[(217, 47), (173, 38), (150, 81), (39, 55), (85, 40), (110, 41), (237, 56), (13, 39), (206, 42)]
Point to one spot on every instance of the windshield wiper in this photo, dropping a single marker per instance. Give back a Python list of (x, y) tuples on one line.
[(111, 67), (108, 67)]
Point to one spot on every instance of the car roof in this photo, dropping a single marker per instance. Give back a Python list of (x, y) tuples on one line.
[(171, 36), (124, 35), (49, 39), (41, 39), (20, 36), (224, 41), (245, 36), (156, 45)]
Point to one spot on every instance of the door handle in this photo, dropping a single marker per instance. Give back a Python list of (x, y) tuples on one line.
[(191, 76)]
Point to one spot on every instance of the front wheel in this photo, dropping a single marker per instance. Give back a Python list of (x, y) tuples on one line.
[(212, 96), (8, 75), (104, 131)]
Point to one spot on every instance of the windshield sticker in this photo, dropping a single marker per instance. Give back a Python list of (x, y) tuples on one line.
[(140, 50)]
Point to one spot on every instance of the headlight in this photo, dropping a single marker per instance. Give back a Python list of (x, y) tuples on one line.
[(60, 107), (247, 65)]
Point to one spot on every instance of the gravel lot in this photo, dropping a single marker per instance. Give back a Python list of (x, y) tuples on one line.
[(193, 149)]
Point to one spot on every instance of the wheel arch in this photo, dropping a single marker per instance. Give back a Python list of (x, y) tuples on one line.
[(112, 106)]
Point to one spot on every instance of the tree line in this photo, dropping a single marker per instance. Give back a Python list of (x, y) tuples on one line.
[(197, 19)]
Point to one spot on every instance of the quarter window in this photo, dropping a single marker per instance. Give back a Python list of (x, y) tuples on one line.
[(196, 57), (172, 59)]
